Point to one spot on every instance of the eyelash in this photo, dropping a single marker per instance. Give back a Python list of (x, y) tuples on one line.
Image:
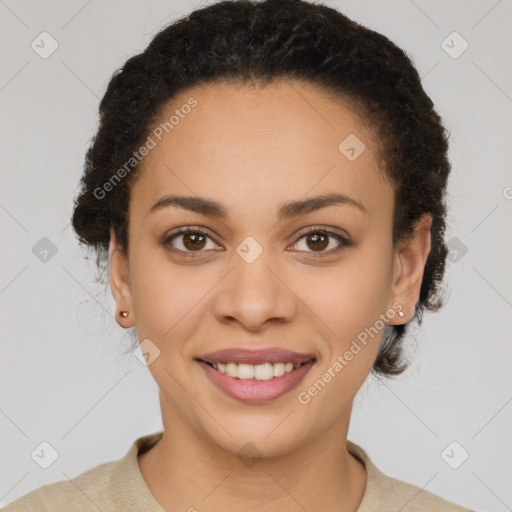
[(345, 242)]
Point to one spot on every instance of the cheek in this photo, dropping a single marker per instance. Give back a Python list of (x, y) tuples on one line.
[(351, 326), (348, 305), (166, 298), (352, 330), (348, 298)]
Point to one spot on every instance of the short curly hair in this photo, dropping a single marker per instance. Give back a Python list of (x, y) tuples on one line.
[(254, 41)]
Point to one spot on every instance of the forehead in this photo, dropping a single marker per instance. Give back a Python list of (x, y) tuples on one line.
[(245, 144)]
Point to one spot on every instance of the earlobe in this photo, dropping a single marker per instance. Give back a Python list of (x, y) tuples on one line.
[(119, 282), (409, 265)]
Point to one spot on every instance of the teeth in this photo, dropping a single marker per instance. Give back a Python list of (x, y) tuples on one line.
[(245, 371), (278, 369), (265, 371)]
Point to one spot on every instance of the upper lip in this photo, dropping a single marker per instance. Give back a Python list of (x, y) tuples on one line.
[(254, 357)]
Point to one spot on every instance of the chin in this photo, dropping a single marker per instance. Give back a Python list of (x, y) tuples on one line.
[(253, 439)]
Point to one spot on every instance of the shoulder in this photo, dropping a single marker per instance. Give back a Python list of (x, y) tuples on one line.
[(78, 493), (388, 494), (109, 486)]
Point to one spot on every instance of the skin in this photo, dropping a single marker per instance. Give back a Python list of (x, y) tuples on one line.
[(252, 149)]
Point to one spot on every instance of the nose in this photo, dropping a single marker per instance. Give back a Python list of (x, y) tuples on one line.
[(255, 294)]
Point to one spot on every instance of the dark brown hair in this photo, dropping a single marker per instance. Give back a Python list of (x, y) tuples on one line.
[(261, 41)]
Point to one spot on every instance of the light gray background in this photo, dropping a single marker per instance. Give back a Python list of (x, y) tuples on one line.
[(64, 374)]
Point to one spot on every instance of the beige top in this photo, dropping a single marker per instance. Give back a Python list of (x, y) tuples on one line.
[(119, 486)]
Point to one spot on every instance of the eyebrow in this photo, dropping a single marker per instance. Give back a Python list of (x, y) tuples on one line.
[(288, 210)]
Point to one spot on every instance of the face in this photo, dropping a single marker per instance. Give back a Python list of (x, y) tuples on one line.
[(315, 278)]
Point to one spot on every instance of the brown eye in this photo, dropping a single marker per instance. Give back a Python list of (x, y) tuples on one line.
[(316, 241), (188, 240)]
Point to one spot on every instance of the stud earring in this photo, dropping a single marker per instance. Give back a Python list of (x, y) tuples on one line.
[(401, 314), (124, 314)]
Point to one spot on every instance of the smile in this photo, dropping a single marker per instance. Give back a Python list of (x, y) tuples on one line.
[(255, 377)]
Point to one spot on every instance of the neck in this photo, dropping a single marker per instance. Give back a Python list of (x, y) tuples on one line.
[(186, 471)]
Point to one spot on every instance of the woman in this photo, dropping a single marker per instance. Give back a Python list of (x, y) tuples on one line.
[(267, 185)]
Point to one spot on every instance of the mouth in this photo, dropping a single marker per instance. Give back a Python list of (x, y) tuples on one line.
[(256, 376)]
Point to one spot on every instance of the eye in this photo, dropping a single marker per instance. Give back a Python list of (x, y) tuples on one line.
[(188, 239), (320, 239), (191, 239)]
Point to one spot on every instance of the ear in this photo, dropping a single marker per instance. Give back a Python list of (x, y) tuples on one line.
[(408, 267), (119, 281)]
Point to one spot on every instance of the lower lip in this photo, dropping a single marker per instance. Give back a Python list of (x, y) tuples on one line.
[(252, 391)]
